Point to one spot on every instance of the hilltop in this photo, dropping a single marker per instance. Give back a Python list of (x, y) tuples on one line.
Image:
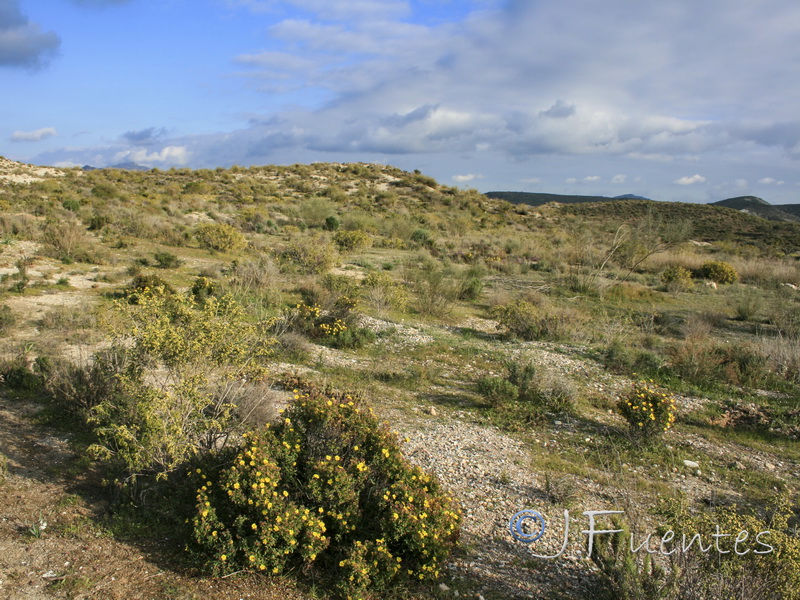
[(506, 344)]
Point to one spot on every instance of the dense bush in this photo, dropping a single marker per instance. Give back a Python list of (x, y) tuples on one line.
[(498, 390), (219, 237), (648, 411), (166, 260), (732, 572), (719, 272), (155, 422), (312, 255), (677, 279), (350, 241), (325, 490), (529, 321)]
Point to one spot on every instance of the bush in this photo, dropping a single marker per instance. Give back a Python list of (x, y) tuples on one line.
[(435, 286), (498, 390), (311, 256), (350, 241), (219, 237), (166, 260), (383, 292), (528, 321), (7, 319), (331, 223), (327, 490), (153, 424), (677, 279), (719, 272), (649, 412)]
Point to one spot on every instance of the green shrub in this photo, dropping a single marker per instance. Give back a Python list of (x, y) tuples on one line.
[(471, 284), (528, 321), (434, 284), (153, 424), (350, 241), (219, 237), (648, 411), (71, 205), (331, 223), (7, 319), (719, 272), (677, 279), (745, 575), (383, 292), (166, 260), (325, 489), (311, 255), (498, 390), (746, 304)]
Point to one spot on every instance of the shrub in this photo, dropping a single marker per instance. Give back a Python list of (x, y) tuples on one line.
[(719, 272), (529, 321), (746, 304), (331, 223), (71, 205), (153, 424), (326, 489), (498, 390), (219, 237), (471, 284), (648, 411), (742, 574), (677, 279), (435, 286), (312, 255), (350, 241), (383, 292), (7, 319), (166, 260)]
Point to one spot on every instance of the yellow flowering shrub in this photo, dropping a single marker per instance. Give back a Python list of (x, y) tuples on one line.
[(326, 489), (649, 411)]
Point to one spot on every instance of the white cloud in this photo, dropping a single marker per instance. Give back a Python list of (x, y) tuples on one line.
[(771, 181), (33, 136), (740, 183), (690, 179), (466, 178), (169, 155), (532, 180), (619, 178)]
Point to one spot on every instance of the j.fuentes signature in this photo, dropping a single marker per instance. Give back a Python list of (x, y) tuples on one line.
[(528, 526)]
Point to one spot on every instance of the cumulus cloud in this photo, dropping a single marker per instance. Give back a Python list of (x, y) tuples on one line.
[(169, 155), (619, 178), (690, 179), (22, 43), (770, 181), (33, 136)]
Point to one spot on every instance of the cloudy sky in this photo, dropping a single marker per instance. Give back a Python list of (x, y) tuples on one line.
[(670, 99)]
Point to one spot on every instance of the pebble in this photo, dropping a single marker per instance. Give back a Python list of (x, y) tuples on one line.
[(690, 464)]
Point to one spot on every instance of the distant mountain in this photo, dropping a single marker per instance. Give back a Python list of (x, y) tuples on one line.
[(537, 199), (630, 197), (125, 166), (761, 208)]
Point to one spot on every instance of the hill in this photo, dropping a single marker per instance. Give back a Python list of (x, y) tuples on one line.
[(538, 199), (577, 354), (759, 207)]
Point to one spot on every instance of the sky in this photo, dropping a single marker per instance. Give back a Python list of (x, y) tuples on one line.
[(672, 99)]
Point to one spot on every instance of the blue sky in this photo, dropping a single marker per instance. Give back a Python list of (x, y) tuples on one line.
[(678, 100)]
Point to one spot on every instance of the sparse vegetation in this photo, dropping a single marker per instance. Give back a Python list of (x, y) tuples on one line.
[(159, 316)]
